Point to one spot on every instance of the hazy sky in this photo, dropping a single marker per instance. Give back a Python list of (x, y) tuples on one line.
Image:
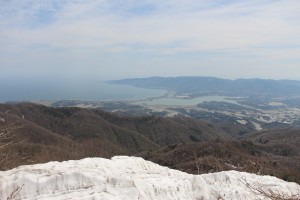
[(111, 39)]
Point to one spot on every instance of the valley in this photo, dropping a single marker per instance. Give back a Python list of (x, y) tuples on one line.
[(149, 100), (254, 113), (37, 134), (252, 131)]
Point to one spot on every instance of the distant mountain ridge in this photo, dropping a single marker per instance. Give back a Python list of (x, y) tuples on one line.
[(211, 85)]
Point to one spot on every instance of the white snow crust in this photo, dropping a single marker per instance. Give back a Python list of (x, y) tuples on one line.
[(127, 178)]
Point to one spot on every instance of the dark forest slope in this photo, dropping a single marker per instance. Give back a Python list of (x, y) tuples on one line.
[(73, 133), (273, 152), (36, 133)]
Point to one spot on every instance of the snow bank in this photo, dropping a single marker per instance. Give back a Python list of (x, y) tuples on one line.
[(132, 178)]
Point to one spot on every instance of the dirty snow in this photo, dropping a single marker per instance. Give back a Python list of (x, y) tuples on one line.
[(127, 178)]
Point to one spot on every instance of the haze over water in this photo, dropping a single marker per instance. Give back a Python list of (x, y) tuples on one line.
[(80, 90)]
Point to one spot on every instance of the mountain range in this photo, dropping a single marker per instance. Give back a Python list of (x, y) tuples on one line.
[(32, 133), (210, 85), (44, 133)]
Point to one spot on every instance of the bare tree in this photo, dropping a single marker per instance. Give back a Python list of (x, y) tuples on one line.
[(5, 141), (260, 191), (197, 162)]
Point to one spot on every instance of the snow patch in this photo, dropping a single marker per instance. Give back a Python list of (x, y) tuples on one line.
[(125, 177), (276, 104), (257, 126), (241, 121)]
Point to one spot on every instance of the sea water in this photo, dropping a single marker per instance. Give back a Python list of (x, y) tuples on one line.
[(75, 90)]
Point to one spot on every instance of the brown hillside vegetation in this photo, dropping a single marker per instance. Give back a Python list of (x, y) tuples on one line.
[(29, 143), (41, 134), (36, 133), (275, 153)]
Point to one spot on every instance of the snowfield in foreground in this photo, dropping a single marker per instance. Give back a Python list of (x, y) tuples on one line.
[(129, 178)]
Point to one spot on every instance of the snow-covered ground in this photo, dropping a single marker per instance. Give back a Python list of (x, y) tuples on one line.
[(133, 178)]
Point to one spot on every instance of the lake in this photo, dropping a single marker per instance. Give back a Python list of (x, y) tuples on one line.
[(186, 102)]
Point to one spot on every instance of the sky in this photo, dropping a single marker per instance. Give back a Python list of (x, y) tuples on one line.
[(114, 39)]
